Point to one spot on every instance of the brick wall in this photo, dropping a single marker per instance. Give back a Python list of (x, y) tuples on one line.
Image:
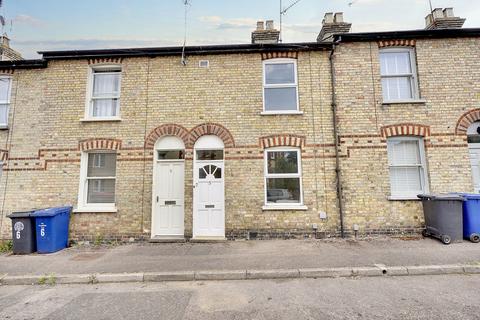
[(162, 97)]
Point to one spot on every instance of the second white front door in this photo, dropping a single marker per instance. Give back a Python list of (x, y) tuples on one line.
[(209, 198), (474, 150), (168, 219)]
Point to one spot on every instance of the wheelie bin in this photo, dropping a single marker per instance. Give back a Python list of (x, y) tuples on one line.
[(23, 232), (52, 228), (443, 216), (471, 216)]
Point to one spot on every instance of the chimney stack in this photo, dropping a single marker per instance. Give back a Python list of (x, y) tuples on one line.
[(333, 24), (7, 53), (443, 19), (265, 35)]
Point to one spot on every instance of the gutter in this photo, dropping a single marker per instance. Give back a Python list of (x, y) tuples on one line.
[(337, 142)]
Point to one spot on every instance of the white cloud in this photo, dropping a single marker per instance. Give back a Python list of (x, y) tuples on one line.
[(25, 19)]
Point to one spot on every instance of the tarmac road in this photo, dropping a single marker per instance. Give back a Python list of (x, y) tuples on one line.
[(413, 297)]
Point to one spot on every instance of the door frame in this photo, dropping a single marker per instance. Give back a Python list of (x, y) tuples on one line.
[(170, 143), (203, 143)]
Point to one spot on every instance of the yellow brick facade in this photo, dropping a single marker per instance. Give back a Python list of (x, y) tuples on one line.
[(46, 136)]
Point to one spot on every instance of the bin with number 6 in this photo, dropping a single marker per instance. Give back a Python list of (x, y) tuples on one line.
[(52, 228), (23, 232)]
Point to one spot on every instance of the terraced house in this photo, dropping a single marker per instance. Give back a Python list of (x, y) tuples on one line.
[(265, 139)]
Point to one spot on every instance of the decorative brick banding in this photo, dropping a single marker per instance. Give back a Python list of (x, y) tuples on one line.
[(213, 129), (284, 140), (276, 55), (105, 60), (3, 155), (167, 130), (7, 72), (405, 129), (466, 120), (397, 43), (100, 144)]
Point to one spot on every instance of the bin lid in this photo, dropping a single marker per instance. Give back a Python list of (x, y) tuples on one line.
[(21, 214), (50, 212), (442, 197), (468, 196)]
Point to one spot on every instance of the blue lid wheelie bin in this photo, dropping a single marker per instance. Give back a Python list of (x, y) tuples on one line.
[(471, 216), (52, 228)]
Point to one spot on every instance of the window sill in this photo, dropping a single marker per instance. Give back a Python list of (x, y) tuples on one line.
[(96, 210), (285, 208), (109, 119), (274, 113), (3, 127), (413, 101), (403, 198)]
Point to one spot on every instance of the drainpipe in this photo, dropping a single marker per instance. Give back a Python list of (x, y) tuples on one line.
[(337, 141)]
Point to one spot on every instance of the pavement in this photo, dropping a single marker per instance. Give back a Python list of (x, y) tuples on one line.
[(240, 260), (422, 297)]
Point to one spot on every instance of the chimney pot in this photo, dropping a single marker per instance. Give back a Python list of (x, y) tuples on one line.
[(260, 25), (339, 17), (448, 13), (438, 13), (333, 24), (329, 18), (443, 19), (268, 35), (270, 25)]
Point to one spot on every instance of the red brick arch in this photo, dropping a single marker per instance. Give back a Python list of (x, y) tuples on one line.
[(282, 140), (405, 129), (466, 120), (100, 144), (213, 129), (169, 129)]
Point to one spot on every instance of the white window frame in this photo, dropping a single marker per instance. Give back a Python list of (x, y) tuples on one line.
[(414, 85), (7, 102), (89, 98), (83, 206), (289, 85), (283, 206), (423, 165)]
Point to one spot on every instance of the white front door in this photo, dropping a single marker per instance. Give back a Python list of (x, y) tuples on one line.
[(209, 199), (168, 199), (474, 150)]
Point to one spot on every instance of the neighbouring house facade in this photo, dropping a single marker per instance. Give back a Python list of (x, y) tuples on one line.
[(235, 141)]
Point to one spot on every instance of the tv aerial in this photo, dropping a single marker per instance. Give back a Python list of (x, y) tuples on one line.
[(283, 11)]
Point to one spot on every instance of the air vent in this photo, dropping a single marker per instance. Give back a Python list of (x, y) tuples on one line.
[(204, 63)]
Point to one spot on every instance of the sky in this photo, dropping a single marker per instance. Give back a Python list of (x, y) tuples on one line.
[(43, 25)]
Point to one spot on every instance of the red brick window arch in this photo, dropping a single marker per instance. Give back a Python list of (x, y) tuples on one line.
[(283, 140), (405, 129), (100, 144), (212, 129), (169, 129), (466, 120)]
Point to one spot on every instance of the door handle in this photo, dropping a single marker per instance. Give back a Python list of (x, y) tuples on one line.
[(157, 198)]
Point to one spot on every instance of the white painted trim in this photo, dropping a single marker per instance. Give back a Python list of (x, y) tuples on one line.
[(169, 143), (102, 119), (209, 142), (423, 165), (96, 210), (82, 205), (413, 101), (292, 85), (8, 101), (273, 113), (89, 93), (285, 208), (267, 175), (414, 84)]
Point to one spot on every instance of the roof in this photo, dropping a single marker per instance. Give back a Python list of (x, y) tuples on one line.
[(190, 50), (23, 64), (409, 34)]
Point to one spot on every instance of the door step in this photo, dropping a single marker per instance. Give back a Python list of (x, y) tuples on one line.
[(208, 239), (167, 239)]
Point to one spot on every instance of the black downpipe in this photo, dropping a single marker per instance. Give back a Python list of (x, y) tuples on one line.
[(337, 143)]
